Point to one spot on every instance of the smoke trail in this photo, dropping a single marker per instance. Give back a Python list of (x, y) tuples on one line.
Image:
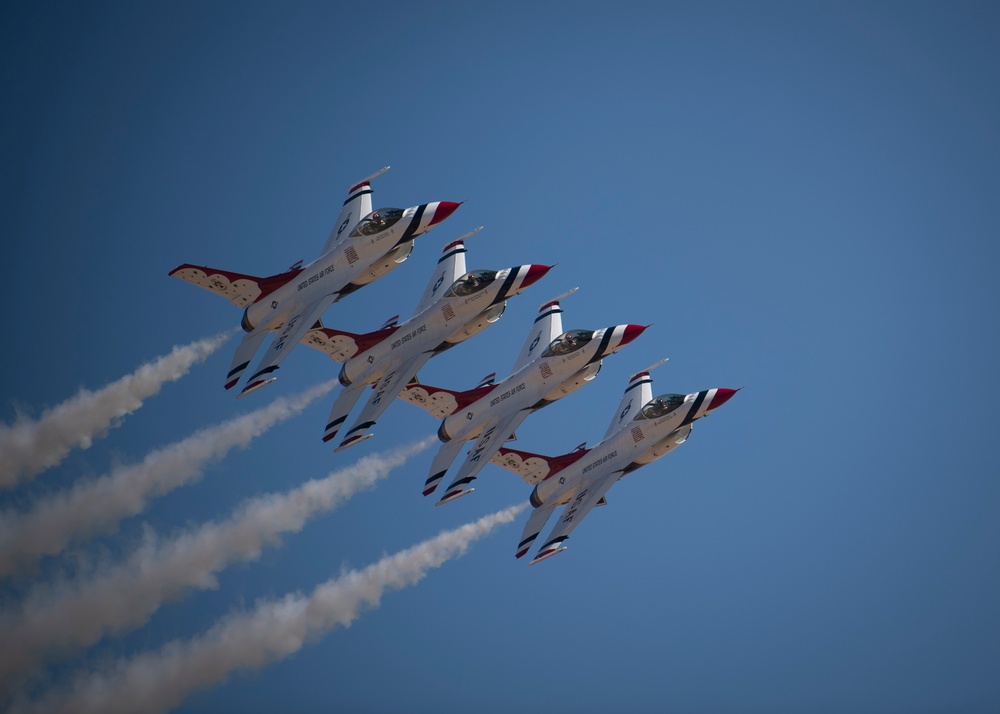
[(273, 630), (97, 505), (66, 616), (28, 447)]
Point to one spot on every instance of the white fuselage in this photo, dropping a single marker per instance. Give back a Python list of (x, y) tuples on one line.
[(637, 443), (445, 322), (540, 382), (355, 260)]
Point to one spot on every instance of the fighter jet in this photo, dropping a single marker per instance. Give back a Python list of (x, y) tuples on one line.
[(642, 430), (364, 245), (551, 365), (455, 306)]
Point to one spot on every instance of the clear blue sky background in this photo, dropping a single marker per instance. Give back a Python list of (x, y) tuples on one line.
[(803, 199)]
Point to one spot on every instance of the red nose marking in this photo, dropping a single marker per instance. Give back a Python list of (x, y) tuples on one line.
[(722, 396), (631, 332), (535, 273), (443, 210)]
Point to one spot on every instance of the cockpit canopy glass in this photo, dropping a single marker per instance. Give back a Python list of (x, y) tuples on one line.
[(471, 282), (568, 342), (661, 406), (377, 221)]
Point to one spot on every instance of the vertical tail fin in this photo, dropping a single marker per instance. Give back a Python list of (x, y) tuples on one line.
[(357, 205), (547, 326), (450, 267), (638, 392)]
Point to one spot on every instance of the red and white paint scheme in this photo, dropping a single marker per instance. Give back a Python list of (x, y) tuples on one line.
[(363, 246), (642, 430), (551, 365), (455, 306)]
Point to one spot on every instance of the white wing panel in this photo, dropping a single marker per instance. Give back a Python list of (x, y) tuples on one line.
[(576, 510), (494, 435), (385, 392), (292, 332)]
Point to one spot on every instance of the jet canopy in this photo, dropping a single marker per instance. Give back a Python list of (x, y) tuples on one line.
[(661, 406), (568, 342), (471, 282), (377, 221)]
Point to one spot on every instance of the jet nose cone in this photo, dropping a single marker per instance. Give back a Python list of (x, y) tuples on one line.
[(442, 209), (722, 395), (631, 332), (535, 273)]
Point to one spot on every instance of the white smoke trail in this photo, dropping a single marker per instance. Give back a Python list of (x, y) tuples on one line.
[(30, 446), (57, 619), (274, 629), (97, 505)]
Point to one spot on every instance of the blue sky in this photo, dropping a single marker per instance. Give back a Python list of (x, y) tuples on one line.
[(800, 197)]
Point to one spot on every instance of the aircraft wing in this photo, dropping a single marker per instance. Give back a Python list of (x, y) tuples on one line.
[(244, 353), (536, 521), (589, 496), (237, 288), (357, 205), (339, 345), (548, 326), (291, 333), (495, 433), (391, 384), (436, 401), (533, 468)]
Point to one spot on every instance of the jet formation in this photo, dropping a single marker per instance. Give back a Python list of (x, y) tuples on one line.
[(457, 304)]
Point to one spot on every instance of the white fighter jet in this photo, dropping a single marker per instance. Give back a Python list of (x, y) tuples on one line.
[(642, 430), (551, 365), (455, 306), (364, 245)]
